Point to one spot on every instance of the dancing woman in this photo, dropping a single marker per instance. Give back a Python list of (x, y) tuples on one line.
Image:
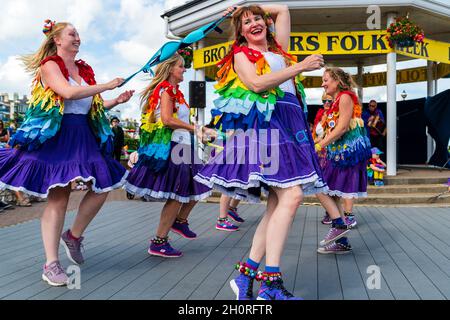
[(65, 137), (261, 94), (166, 164), (347, 148)]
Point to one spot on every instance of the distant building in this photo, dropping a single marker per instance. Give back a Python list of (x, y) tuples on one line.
[(125, 123), (13, 108)]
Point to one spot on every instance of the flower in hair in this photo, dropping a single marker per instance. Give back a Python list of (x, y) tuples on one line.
[(48, 26)]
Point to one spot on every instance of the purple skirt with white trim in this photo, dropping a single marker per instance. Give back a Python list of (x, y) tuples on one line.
[(278, 154), (176, 182), (73, 153), (349, 182)]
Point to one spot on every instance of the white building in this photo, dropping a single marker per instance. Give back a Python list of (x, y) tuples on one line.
[(10, 108)]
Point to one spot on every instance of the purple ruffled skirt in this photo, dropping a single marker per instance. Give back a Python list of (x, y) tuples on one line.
[(348, 182), (279, 153), (175, 182), (73, 153)]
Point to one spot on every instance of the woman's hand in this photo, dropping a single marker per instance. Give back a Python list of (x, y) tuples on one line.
[(311, 63), (124, 97), (209, 135), (230, 10), (114, 83), (205, 134)]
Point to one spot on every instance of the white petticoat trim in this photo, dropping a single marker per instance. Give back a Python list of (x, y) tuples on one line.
[(150, 194), (255, 180), (353, 195), (84, 179)]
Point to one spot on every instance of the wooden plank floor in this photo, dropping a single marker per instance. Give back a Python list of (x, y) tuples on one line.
[(411, 246)]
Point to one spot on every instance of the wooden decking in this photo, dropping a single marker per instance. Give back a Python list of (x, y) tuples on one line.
[(410, 245)]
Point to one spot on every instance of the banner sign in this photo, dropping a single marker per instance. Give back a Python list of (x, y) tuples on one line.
[(337, 43)]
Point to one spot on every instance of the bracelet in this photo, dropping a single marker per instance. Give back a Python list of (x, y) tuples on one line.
[(268, 277), (245, 269)]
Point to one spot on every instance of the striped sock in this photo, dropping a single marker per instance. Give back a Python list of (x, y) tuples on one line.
[(252, 264), (271, 269)]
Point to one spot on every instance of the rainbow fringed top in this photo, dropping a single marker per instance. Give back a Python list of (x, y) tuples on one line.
[(46, 108), (155, 137), (237, 105), (354, 146)]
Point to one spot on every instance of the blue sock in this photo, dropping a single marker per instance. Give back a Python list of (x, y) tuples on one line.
[(270, 269), (338, 221), (253, 264), (343, 241)]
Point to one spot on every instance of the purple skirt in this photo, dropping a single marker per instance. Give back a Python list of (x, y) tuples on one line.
[(175, 182), (73, 153), (349, 182), (280, 153)]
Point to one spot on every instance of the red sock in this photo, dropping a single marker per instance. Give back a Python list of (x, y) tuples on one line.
[(72, 236)]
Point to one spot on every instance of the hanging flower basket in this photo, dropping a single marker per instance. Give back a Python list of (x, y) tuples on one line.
[(187, 55), (404, 33)]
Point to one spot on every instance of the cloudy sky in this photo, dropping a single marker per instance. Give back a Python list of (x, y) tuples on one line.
[(118, 37)]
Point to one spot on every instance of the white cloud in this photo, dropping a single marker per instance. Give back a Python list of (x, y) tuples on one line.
[(13, 77), (130, 110), (141, 22), (133, 52), (170, 4), (82, 14), (22, 20)]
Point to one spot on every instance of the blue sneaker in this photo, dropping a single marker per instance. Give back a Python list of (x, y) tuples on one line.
[(226, 225), (232, 213), (243, 287), (164, 250), (182, 228), (275, 291)]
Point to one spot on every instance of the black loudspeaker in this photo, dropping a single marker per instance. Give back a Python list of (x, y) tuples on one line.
[(197, 94)]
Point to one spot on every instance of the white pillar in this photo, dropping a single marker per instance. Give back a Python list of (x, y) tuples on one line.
[(436, 84), (12, 110), (391, 108), (360, 81), (431, 146)]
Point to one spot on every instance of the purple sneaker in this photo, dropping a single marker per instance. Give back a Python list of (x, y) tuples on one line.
[(226, 225), (275, 291), (232, 213), (336, 248), (350, 221), (164, 250), (72, 247), (182, 228), (326, 219), (243, 287), (336, 232), (54, 274)]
